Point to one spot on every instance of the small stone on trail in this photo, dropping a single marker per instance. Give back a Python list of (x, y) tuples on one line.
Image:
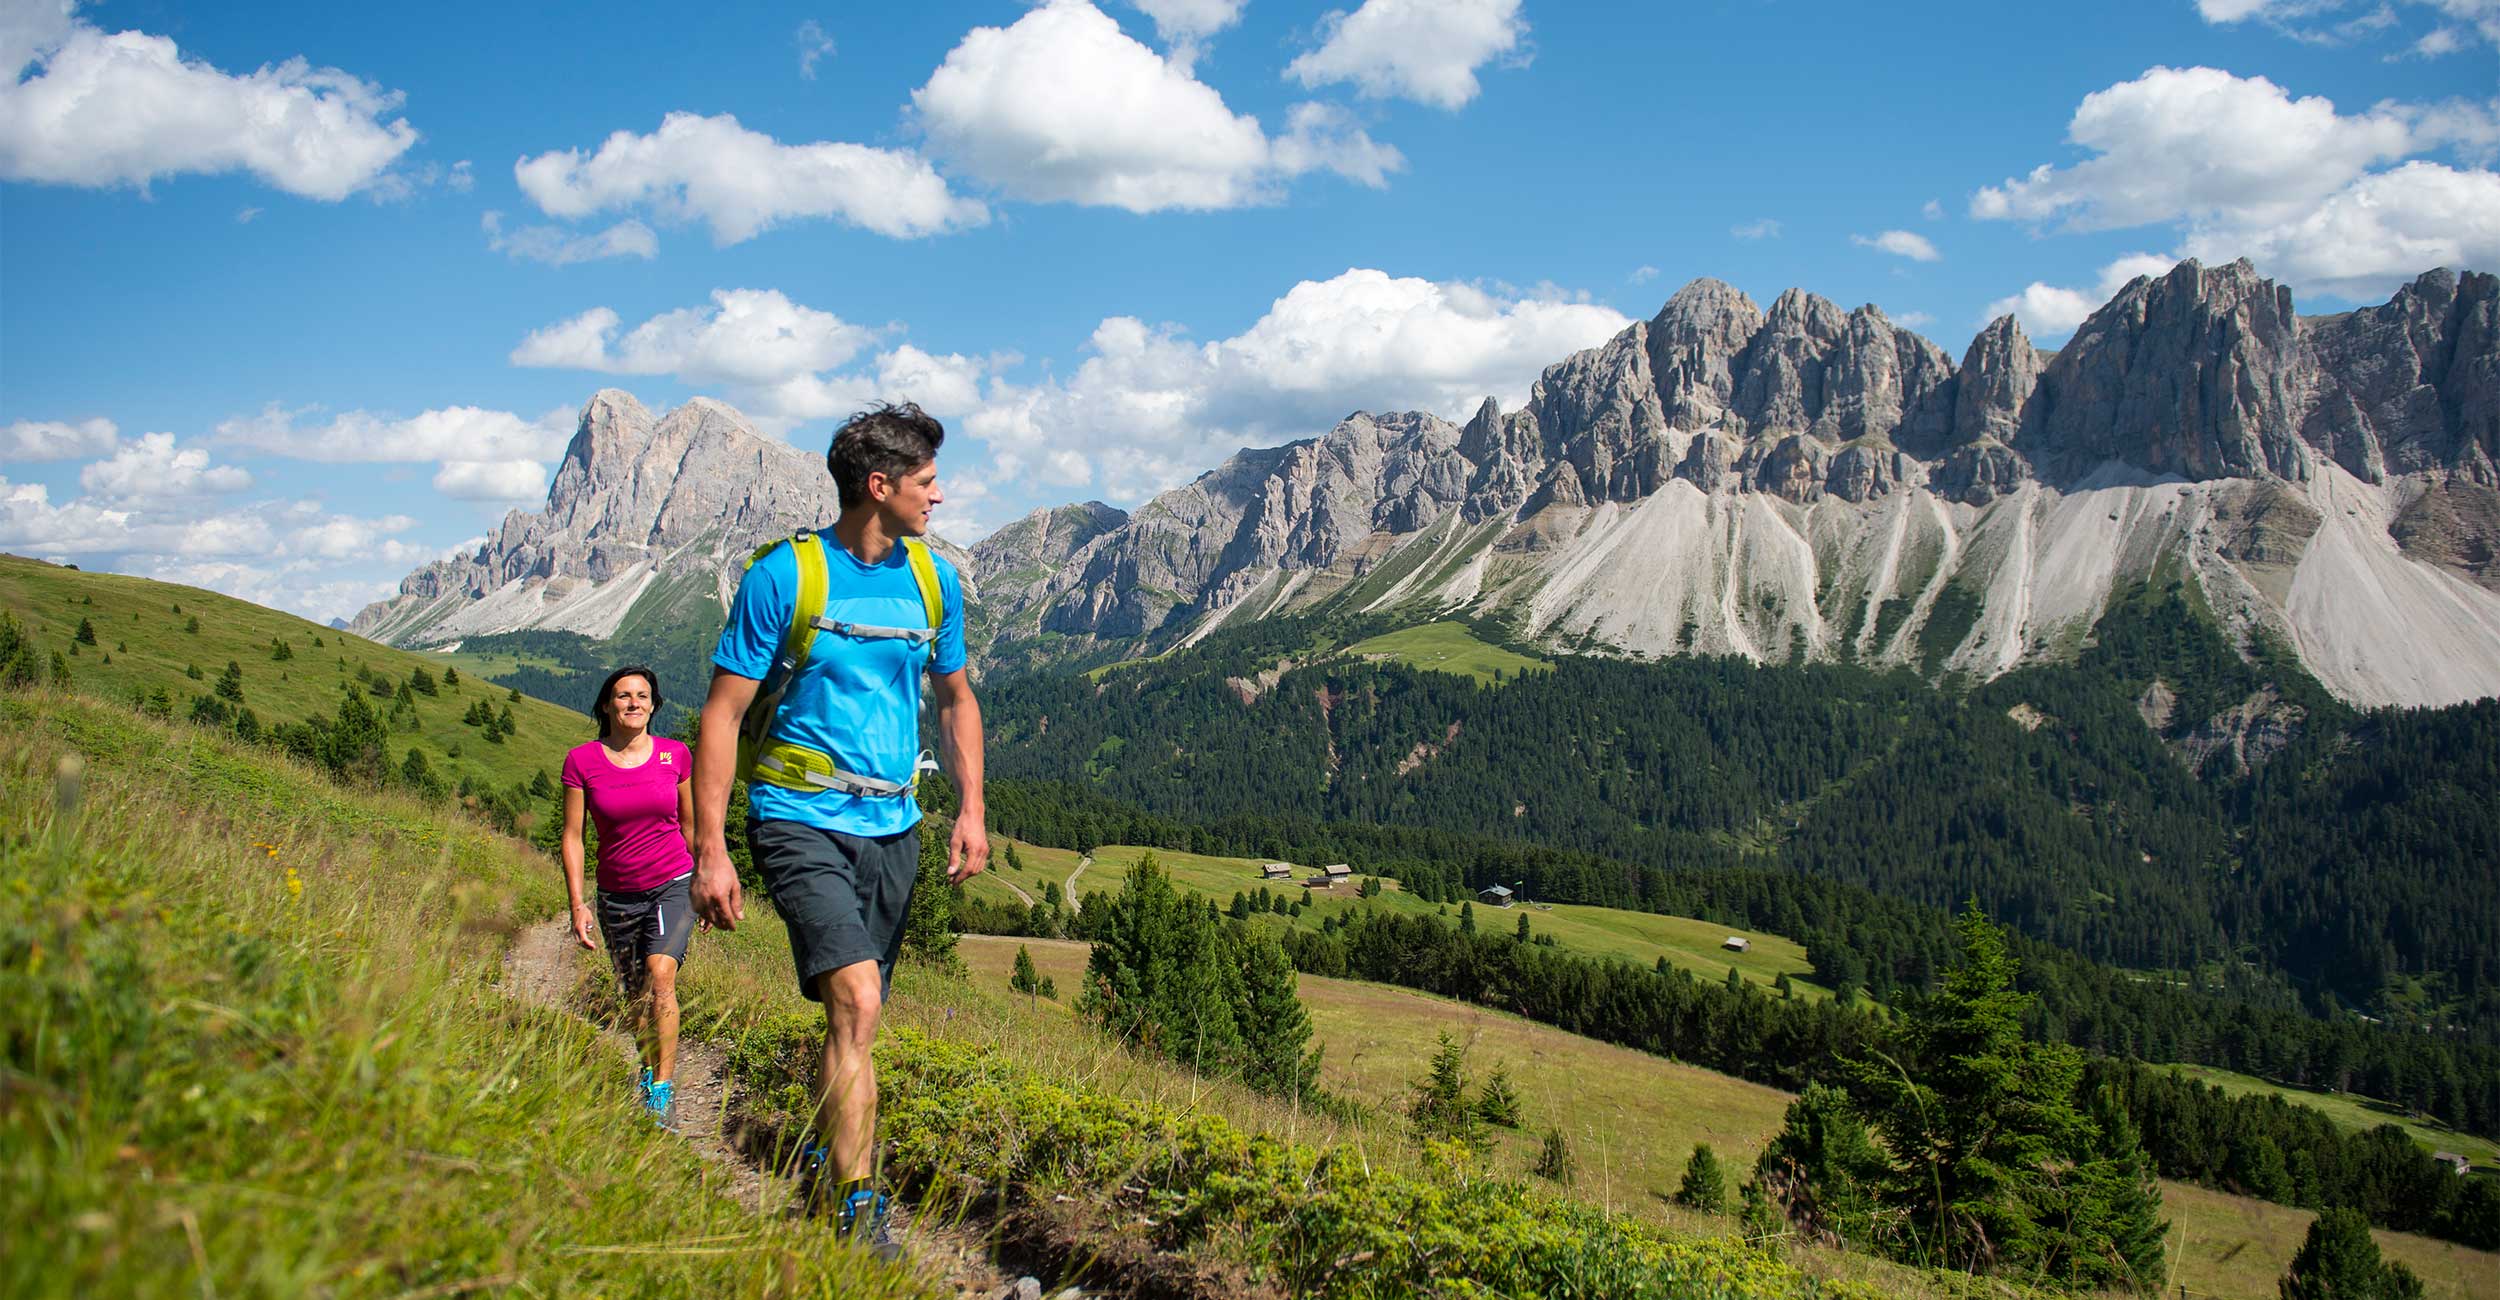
[(1023, 1288)]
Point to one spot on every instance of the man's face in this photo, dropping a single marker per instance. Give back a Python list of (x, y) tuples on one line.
[(906, 500)]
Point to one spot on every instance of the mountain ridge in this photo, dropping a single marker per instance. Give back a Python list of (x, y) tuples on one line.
[(1720, 478)]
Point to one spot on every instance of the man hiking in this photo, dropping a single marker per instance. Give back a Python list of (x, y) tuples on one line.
[(815, 702)]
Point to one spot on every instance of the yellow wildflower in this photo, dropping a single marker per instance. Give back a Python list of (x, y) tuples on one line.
[(294, 885)]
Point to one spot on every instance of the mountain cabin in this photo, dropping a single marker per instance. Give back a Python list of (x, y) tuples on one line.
[(1496, 895), (1738, 943)]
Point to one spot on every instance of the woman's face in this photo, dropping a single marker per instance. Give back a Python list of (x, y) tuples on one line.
[(629, 703)]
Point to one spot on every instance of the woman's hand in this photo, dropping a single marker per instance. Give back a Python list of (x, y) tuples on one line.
[(583, 925)]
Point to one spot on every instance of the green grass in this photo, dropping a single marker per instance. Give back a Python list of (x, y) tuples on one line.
[(1632, 1119), (1638, 937), (255, 1048), (2353, 1113), (1446, 648), (149, 649)]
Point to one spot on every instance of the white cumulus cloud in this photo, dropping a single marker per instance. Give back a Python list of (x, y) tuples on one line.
[(2241, 168), (1062, 106), (2199, 143), (780, 362), (741, 182), (492, 480), (80, 106), (2049, 311), (363, 437), (154, 467), (56, 440), (1424, 50), (557, 246), (1184, 25), (1900, 243), (1150, 407)]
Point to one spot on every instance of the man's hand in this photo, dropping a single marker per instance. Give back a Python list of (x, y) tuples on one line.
[(718, 897), (968, 849), (583, 925)]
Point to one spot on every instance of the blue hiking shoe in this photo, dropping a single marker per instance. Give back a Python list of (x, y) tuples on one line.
[(862, 1221), (660, 1098)]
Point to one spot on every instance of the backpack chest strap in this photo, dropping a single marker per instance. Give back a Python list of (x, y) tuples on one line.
[(872, 632)]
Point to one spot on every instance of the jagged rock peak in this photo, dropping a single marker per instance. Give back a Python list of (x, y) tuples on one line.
[(1998, 373), (2196, 373), (2411, 385), (1693, 343)]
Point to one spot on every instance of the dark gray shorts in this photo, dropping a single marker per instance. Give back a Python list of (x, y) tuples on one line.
[(647, 923), (843, 896)]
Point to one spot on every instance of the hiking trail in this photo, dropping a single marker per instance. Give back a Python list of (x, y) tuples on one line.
[(542, 969)]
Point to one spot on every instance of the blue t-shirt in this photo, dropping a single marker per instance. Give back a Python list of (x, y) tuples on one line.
[(857, 700)]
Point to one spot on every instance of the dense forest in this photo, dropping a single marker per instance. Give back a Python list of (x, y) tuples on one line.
[(2346, 871)]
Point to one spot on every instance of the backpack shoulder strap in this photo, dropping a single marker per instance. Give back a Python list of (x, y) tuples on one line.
[(924, 575)]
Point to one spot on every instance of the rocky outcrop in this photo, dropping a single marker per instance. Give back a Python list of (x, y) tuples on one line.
[(2197, 374), (2412, 386), (640, 509)]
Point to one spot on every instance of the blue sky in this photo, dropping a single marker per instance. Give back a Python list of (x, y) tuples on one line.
[(294, 297)]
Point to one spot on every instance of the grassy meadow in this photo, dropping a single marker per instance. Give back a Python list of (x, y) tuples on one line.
[(1632, 1120), (143, 644), (1638, 937), (2353, 1113), (1445, 648)]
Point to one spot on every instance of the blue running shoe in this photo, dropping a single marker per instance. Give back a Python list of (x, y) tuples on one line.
[(661, 1099), (862, 1221)]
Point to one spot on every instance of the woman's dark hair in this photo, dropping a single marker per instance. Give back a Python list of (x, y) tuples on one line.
[(888, 440), (599, 705)]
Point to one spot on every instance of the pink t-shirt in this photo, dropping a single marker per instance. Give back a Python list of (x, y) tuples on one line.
[(641, 845)]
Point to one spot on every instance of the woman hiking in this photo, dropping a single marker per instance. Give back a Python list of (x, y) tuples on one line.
[(638, 790)]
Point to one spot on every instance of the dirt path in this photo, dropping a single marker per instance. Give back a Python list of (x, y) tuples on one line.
[(1075, 904), (1013, 887), (542, 969)]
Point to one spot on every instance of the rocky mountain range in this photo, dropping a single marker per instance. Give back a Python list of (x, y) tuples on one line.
[(1808, 480), (1802, 481), (647, 522)]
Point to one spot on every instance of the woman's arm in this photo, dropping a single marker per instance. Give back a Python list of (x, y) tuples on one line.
[(580, 911), (685, 811)]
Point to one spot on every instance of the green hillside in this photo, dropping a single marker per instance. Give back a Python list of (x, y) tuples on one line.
[(2354, 1114), (239, 1086), (1632, 1119), (1638, 937), (1446, 648), (150, 635), (259, 1049)]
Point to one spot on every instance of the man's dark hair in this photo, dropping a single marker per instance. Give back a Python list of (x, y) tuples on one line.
[(888, 440), (599, 705)]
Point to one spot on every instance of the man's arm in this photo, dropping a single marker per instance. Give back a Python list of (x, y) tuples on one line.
[(959, 736), (718, 897)]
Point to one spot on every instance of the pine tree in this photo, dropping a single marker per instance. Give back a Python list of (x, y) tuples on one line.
[(1467, 919), (451, 676), (85, 634), (1977, 1113), (1553, 1161), (230, 683), (421, 681), (192, 625), (1437, 1104), (503, 720), (1497, 1102), (1025, 979), (280, 651), (1705, 1184), (60, 671), (2340, 1261), (1275, 1029), (1523, 927), (1015, 862), (929, 921)]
